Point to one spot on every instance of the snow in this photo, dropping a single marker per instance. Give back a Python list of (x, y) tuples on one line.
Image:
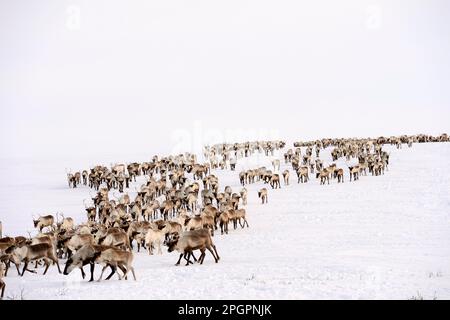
[(383, 237)]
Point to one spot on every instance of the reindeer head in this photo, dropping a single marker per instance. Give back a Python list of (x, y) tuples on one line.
[(172, 242), (36, 221)]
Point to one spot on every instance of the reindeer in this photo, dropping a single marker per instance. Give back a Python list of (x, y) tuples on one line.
[(85, 176), (243, 177), (208, 222), (354, 172), (244, 194), (275, 181), (319, 164), (286, 177), (224, 220), (43, 222), (77, 177), (192, 202), (91, 211), (193, 240), (154, 238), (28, 253), (71, 179), (137, 231), (302, 174), (378, 168), (276, 165), (87, 255), (324, 175), (114, 258), (339, 174), (262, 194)]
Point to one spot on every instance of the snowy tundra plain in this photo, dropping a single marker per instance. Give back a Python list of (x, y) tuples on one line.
[(385, 237)]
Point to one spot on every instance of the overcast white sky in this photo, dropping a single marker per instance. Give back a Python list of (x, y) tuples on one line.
[(142, 74)]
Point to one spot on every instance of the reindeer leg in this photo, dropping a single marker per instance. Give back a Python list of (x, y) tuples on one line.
[(55, 260), (202, 256), (113, 270), (101, 275), (215, 258), (17, 267), (123, 269), (92, 271), (83, 275), (7, 268), (179, 260), (159, 248), (132, 271), (186, 257), (215, 250), (24, 268), (47, 264)]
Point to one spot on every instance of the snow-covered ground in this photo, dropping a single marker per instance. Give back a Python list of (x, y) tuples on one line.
[(383, 237)]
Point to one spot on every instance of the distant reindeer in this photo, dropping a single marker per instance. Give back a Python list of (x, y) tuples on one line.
[(286, 177), (262, 194)]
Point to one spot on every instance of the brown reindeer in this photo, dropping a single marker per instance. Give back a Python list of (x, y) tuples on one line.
[(275, 181), (262, 194), (28, 253), (286, 177), (115, 258), (354, 172), (43, 222), (302, 174), (224, 220), (339, 174), (189, 241), (324, 176), (87, 255)]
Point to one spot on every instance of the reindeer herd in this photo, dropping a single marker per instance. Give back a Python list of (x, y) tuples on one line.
[(366, 155), (180, 205)]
